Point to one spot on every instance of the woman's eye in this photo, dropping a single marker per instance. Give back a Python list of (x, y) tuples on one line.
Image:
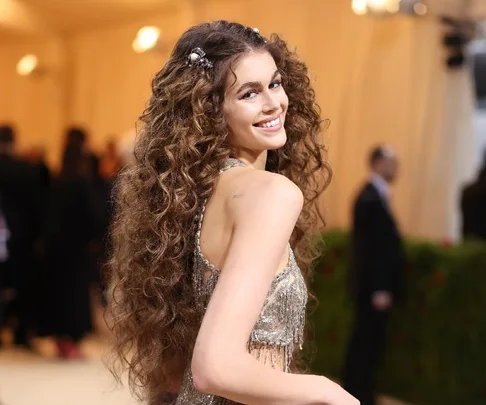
[(249, 95), (253, 93)]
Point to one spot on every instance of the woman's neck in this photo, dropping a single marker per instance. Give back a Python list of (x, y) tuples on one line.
[(257, 161)]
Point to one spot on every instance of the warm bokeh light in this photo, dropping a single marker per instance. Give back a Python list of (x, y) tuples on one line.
[(420, 9), (380, 6), (393, 6), (27, 65), (359, 7), (146, 39), (377, 4)]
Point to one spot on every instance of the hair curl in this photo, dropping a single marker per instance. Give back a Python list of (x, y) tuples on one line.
[(179, 152)]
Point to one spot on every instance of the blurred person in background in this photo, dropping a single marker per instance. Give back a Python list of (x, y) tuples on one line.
[(377, 263), (110, 161), (36, 155), (473, 206), (21, 206), (6, 291), (71, 225), (76, 135), (110, 165), (99, 250)]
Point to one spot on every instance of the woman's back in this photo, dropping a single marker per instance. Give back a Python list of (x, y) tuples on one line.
[(281, 322), (217, 222)]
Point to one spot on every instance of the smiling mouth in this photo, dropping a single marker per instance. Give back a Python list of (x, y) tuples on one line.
[(269, 124)]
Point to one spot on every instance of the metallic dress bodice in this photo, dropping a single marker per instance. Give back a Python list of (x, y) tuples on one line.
[(279, 327)]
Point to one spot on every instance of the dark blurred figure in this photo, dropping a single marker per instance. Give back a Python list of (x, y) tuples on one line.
[(102, 189), (377, 262), (75, 136), (473, 207), (6, 291), (110, 163), (20, 199), (37, 158), (71, 226)]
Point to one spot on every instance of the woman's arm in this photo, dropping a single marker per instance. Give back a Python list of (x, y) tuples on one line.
[(264, 215)]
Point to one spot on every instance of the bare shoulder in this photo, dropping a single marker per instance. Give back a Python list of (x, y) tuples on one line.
[(260, 191)]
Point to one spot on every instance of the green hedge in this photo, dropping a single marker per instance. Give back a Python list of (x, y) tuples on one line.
[(436, 351)]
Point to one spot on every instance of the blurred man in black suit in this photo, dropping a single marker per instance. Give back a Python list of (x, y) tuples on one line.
[(19, 191), (473, 207), (377, 262)]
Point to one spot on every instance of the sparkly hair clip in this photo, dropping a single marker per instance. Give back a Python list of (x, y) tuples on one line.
[(257, 31), (197, 58)]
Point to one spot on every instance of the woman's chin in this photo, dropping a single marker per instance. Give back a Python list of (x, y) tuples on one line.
[(272, 140), (277, 142)]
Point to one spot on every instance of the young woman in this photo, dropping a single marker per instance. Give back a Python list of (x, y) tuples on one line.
[(208, 298)]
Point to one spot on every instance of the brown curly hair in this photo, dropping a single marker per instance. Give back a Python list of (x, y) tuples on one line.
[(180, 149)]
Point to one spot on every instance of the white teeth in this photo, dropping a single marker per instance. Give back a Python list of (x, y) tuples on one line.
[(270, 124)]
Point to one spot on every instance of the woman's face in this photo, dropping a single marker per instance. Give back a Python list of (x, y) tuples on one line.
[(255, 105)]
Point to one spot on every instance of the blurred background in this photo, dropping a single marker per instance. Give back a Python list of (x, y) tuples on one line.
[(75, 76)]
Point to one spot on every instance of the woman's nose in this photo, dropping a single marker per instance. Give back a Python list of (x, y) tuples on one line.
[(271, 102)]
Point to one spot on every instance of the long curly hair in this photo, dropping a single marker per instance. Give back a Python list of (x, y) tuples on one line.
[(180, 149)]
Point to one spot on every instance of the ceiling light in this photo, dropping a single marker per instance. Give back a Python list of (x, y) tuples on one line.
[(27, 65), (146, 39)]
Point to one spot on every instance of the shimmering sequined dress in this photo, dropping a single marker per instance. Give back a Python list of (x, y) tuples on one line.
[(279, 327)]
